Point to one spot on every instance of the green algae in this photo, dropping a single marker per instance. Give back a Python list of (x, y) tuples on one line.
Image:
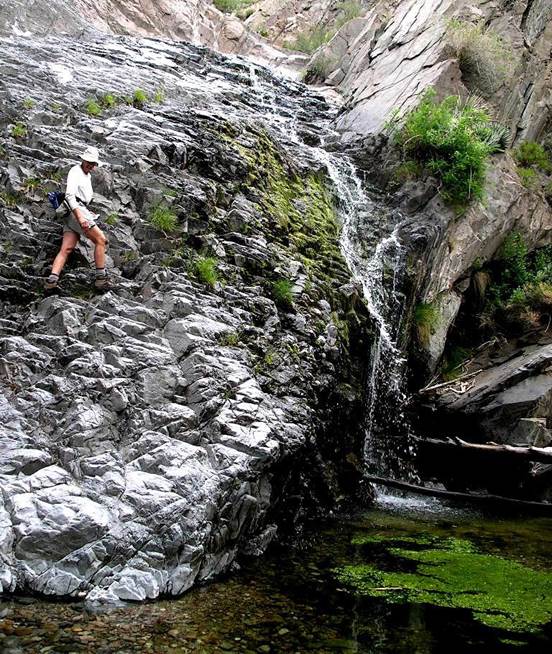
[(450, 572)]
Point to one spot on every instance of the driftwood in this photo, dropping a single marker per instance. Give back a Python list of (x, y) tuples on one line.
[(474, 498), (541, 454), (449, 384)]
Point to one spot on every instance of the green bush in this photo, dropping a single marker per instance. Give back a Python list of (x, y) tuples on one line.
[(311, 40), (484, 58), (348, 10), (320, 68), (205, 269), (451, 139), (281, 293), (230, 6), (528, 177), (93, 108), (531, 154), (163, 218), (19, 131)]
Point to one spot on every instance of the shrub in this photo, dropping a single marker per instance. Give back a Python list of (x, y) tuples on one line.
[(139, 98), (484, 58), (320, 68), (531, 154), (528, 177), (451, 140), (28, 103), (230, 6), (205, 269), (310, 41), (426, 317), (348, 10), (281, 293), (163, 219), (262, 30), (19, 131), (92, 107)]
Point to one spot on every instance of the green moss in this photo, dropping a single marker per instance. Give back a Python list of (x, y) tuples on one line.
[(452, 573), (301, 209), (426, 317)]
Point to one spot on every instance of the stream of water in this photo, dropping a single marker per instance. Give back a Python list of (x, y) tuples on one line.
[(299, 600)]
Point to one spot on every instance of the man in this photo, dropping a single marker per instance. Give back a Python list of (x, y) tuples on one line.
[(79, 221)]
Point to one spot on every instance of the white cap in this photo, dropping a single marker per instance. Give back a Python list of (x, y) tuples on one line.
[(91, 155)]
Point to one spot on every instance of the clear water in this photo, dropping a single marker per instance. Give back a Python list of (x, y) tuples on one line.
[(292, 601)]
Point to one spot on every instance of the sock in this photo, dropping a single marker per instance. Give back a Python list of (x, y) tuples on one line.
[(100, 272), (53, 277)]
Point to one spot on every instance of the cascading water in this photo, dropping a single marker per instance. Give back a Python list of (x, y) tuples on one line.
[(373, 251)]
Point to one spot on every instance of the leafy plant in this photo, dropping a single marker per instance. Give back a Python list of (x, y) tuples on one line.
[(19, 131), (451, 139), (452, 362), (282, 294), (9, 200), (205, 269), (28, 103), (32, 184), (163, 218), (485, 59), (93, 108)]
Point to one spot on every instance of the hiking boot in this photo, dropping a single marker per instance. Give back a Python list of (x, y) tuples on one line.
[(103, 283), (51, 284)]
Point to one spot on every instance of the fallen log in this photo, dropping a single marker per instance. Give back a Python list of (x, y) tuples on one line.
[(544, 508), (541, 454)]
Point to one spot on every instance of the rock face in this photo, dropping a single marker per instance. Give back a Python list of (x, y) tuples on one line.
[(506, 402), (196, 21), (150, 435)]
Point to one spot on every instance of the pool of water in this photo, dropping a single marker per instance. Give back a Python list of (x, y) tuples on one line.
[(410, 576)]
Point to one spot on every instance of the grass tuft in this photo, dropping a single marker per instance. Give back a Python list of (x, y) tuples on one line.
[(163, 218), (205, 270)]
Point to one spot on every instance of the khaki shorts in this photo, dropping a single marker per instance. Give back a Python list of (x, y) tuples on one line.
[(70, 223)]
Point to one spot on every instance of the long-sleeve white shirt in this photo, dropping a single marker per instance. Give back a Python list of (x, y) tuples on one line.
[(79, 185)]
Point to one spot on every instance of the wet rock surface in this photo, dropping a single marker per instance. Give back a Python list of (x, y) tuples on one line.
[(151, 434)]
